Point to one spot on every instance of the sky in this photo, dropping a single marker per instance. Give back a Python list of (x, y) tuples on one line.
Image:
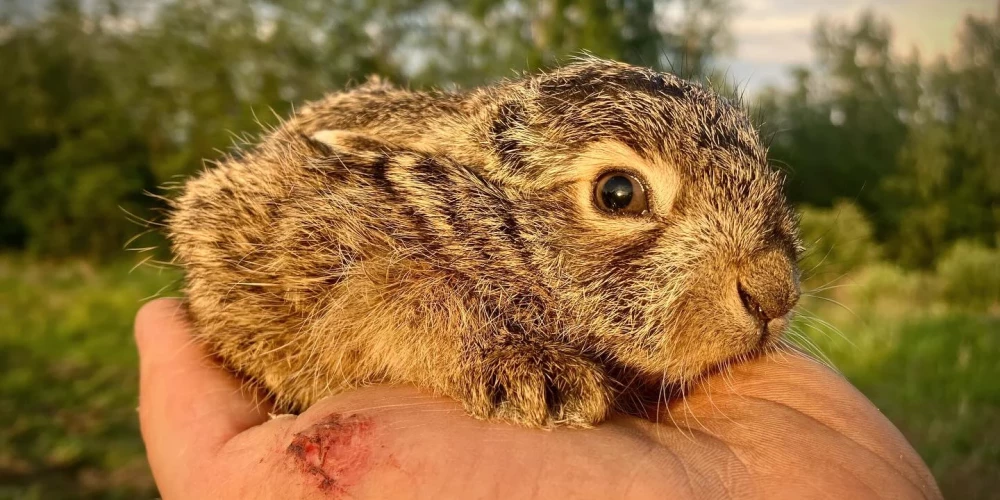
[(773, 35)]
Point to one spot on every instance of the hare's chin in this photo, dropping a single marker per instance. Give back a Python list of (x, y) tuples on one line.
[(772, 332)]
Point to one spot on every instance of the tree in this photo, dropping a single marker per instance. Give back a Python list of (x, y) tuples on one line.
[(913, 144), (487, 39), (104, 101), (843, 124), (948, 185)]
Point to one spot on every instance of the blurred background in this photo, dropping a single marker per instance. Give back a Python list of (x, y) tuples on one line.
[(886, 116)]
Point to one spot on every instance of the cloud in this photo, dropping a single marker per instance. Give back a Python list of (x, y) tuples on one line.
[(774, 35), (754, 75)]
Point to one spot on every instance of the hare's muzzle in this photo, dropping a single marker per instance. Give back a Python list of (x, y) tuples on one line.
[(768, 288)]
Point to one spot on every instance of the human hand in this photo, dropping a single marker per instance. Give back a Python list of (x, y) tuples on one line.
[(777, 427)]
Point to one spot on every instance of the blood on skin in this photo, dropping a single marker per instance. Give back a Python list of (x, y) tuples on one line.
[(337, 451)]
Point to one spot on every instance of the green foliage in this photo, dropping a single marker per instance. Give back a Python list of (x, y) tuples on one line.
[(841, 125), (923, 345), (836, 240), (970, 276), (106, 103), (948, 184), (913, 144)]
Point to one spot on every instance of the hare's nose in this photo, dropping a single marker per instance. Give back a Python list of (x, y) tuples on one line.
[(769, 286)]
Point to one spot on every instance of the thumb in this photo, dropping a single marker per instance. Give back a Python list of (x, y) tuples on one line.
[(188, 405)]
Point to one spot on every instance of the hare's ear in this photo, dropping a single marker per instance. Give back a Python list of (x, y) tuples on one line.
[(344, 141)]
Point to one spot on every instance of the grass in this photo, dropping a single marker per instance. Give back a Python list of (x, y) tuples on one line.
[(938, 380), (931, 368), (69, 379)]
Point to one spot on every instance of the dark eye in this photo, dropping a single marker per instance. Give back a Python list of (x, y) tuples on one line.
[(619, 192)]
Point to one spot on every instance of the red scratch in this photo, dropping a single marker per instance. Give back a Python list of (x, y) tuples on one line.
[(337, 452)]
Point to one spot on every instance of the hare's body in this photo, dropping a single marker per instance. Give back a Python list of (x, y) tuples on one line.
[(450, 241)]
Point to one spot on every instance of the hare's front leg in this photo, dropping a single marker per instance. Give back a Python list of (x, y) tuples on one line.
[(513, 375)]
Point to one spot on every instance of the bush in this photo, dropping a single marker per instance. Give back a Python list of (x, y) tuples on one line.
[(969, 276), (837, 240)]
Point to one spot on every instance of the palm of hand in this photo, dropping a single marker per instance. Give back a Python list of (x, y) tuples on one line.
[(780, 427)]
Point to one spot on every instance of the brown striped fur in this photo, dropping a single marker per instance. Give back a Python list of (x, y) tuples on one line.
[(450, 240)]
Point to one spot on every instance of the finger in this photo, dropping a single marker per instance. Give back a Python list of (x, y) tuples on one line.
[(188, 406)]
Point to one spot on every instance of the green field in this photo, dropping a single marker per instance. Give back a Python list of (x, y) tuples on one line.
[(69, 380), (69, 377)]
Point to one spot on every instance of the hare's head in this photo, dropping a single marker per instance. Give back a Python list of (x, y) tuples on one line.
[(662, 228)]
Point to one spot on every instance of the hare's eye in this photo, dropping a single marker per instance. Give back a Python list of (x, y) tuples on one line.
[(620, 192)]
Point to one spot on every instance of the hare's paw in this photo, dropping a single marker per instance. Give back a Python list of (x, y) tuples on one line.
[(537, 388)]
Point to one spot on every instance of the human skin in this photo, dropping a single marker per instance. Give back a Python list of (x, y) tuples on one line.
[(781, 426)]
